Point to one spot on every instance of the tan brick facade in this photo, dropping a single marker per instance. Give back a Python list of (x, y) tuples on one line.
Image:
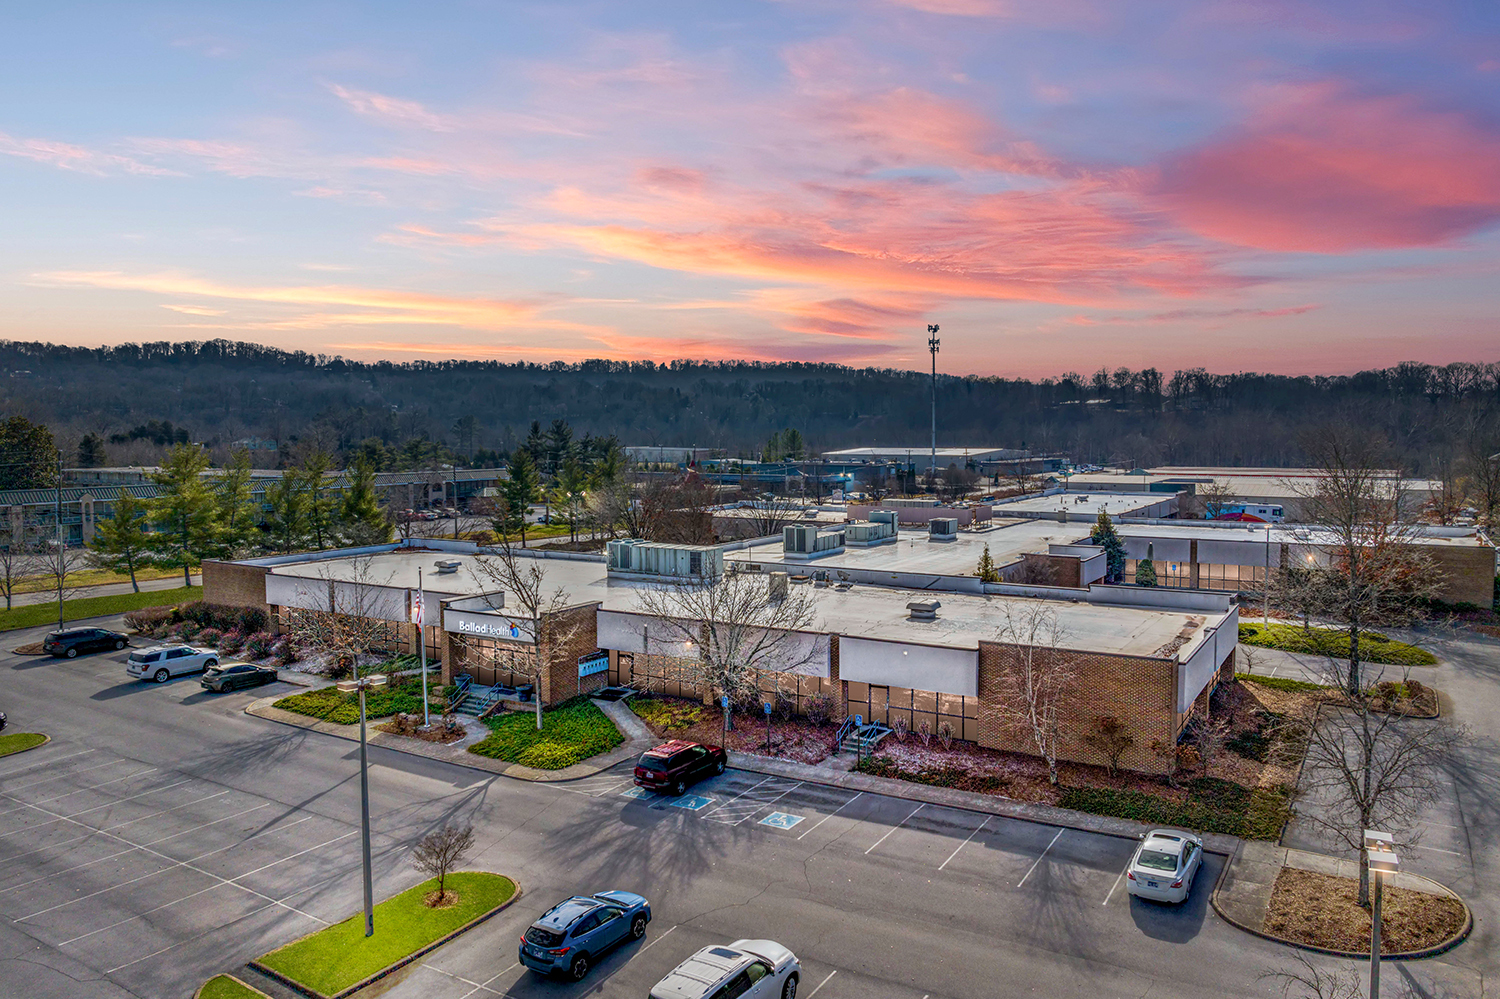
[(1468, 574), (235, 585)]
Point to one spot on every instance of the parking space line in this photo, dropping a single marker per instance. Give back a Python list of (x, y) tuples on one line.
[(1123, 871), (824, 982), (459, 978), (71, 816), (1420, 848), (834, 812), (729, 801), (770, 801), (1039, 859), (122, 853), (58, 797), (122, 839), (71, 773), (52, 763), (887, 833), (966, 841)]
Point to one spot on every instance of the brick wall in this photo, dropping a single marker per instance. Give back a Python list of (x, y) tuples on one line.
[(1141, 692), (1468, 573), (571, 634), (235, 585)]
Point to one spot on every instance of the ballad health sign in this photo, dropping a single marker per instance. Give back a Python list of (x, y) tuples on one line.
[(588, 665), (496, 626)]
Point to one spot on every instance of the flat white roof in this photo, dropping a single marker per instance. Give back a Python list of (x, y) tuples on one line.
[(1292, 534), (1080, 503), (862, 611)]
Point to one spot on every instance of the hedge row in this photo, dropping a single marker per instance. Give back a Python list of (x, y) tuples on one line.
[(1373, 646), (1212, 805)]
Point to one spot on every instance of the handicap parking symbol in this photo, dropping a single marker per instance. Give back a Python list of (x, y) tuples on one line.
[(692, 802), (637, 793), (780, 820)]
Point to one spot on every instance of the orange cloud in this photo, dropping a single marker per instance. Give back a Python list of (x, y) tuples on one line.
[(1325, 170)]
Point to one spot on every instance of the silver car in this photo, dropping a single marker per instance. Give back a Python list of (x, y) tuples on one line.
[(166, 661), (1165, 865), (745, 969)]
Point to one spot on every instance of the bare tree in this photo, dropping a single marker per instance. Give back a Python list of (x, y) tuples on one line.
[(955, 483), (19, 558), (1212, 498), (1368, 766), (508, 573), (1209, 735), (58, 564), (678, 510), (1374, 571), (1110, 737), (438, 853), (732, 629), (1036, 680), (346, 619), (1305, 980), (770, 513)]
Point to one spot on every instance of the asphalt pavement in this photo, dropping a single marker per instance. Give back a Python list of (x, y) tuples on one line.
[(164, 836)]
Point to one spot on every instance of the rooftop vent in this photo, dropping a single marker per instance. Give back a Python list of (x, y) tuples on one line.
[(446, 567), (778, 586), (924, 610)]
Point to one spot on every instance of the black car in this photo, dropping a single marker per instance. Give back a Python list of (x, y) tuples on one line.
[(235, 675), (68, 644)]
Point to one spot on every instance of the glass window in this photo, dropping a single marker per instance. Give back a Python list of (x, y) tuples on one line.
[(1155, 860), (757, 971), (735, 987)]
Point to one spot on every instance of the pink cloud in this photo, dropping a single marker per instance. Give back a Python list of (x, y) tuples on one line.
[(393, 110), (1321, 169), (1193, 315), (79, 159)]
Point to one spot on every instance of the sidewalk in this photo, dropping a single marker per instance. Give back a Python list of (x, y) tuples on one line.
[(1244, 891), (638, 739)]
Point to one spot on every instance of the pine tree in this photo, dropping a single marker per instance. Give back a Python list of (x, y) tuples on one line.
[(184, 513), (1105, 537), (238, 514), (987, 572), (321, 507), (286, 524), (1145, 570), (361, 519), (123, 543), (520, 491), (91, 453)]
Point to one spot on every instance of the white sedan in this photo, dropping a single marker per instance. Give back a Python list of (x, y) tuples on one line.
[(166, 661), (1165, 865)]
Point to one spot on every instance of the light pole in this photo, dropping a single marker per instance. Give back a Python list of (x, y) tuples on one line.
[(932, 345), (362, 684), (1380, 854)]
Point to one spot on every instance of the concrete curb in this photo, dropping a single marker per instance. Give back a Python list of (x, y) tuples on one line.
[(238, 981), (45, 739), (1441, 947), (397, 966), (1024, 811), (455, 753)]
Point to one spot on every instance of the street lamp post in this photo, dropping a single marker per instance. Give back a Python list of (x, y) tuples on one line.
[(1381, 856), (362, 684)]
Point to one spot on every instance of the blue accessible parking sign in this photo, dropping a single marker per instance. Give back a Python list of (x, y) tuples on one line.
[(780, 820)]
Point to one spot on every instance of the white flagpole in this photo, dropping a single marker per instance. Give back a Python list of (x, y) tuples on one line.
[(422, 644)]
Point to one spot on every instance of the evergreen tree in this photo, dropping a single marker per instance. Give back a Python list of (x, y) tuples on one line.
[(1145, 570), (91, 453), (361, 519), (123, 543), (560, 449), (321, 506), (28, 455), (1105, 537), (185, 513), (987, 572), (520, 491), (237, 512), (286, 524), (569, 494), (536, 444)]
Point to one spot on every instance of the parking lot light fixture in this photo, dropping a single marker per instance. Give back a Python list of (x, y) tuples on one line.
[(1380, 854), (361, 684)]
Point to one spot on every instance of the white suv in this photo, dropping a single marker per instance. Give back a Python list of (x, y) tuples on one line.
[(166, 661), (745, 969)]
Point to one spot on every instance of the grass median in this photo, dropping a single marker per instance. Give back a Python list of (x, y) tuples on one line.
[(228, 987), (570, 733), (19, 742), (1373, 646), (333, 959), (35, 615)]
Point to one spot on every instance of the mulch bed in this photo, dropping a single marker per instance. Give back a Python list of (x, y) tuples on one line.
[(1324, 911), (34, 649), (798, 739), (431, 735)]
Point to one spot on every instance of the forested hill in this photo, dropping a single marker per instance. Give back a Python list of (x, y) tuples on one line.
[(221, 391)]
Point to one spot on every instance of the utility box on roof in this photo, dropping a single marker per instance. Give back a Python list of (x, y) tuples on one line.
[(648, 558), (942, 529)]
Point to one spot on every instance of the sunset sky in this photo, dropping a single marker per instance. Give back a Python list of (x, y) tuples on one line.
[(1061, 184)]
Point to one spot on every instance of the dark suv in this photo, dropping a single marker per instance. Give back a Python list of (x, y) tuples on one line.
[(672, 766), (68, 644)]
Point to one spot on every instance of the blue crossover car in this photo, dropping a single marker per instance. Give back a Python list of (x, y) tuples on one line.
[(575, 932)]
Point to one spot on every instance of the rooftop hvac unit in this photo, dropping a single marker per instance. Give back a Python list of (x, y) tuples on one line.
[(884, 517), (799, 538), (778, 586), (942, 529)]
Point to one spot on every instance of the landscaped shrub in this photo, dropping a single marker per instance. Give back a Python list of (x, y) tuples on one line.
[(330, 704), (577, 728), (148, 620), (1374, 646), (221, 616), (284, 652), (188, 630), (956, 777), (258, 645), (820, 708), (210, 637), (667, 715), (231, 642), (1212, 805)]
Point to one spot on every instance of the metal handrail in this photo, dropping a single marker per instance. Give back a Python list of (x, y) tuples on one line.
[(844, 729)]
